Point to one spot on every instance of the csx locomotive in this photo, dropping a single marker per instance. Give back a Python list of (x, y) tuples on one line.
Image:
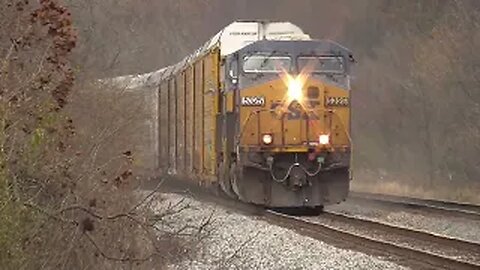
[(262, 112)]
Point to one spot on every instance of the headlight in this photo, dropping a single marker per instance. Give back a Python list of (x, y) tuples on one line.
[(295, 89), (324, 139), (267, 138)]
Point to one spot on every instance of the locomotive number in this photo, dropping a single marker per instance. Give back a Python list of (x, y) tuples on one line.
[(337, 101), (254, 101)]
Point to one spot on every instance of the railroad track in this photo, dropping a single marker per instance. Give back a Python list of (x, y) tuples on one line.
[(415, 249), (445, 208)]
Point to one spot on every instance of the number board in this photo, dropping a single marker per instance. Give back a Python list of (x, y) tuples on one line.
[(253, 101), (337, 101)]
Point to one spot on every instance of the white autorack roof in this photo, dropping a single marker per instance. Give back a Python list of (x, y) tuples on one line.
[(230, 39)]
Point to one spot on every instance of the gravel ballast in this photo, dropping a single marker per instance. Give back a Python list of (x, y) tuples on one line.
[(236, 241)]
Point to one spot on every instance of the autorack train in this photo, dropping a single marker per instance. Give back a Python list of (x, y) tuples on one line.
[(261, 111)]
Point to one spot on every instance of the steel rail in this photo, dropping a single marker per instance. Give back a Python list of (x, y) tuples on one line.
[(454, 243), (409, 256), (444, 208)]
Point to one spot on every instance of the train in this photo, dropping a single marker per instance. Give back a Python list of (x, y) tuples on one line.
[(262, 113)]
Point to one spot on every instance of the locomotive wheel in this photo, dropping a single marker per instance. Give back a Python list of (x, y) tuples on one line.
[(225, 183), (234, 180)]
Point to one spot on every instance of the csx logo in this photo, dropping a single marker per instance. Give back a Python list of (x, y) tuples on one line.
[(336, 101), (253, 101), (294, 110)]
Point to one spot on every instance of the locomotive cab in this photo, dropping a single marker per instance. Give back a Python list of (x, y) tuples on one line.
[(285, 123)]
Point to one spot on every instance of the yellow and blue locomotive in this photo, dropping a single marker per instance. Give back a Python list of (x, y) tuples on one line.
[(261, 111)]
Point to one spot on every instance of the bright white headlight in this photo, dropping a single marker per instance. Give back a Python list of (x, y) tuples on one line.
[(267, 138), (324, 139), (295, 89)]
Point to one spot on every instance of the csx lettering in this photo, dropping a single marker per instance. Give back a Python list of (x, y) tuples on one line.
[(253, 101), (294, 111)]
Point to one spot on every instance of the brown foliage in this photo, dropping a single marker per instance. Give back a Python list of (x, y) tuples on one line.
[(68, 173)]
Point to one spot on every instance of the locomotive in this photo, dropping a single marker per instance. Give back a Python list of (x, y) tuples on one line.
[(262, 112)]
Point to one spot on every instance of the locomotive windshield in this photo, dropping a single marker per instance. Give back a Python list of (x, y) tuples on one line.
[(266, 64), (258, 63), (321, 64)]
